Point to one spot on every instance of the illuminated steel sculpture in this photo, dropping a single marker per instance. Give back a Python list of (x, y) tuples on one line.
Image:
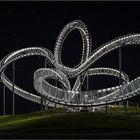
[(68, 96)]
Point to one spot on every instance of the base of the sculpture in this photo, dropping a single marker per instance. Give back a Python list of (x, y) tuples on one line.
[(84, 109)]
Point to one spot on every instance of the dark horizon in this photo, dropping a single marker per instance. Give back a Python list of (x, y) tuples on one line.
[(28, 24)]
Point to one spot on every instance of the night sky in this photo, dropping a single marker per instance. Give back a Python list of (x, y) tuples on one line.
[(27, 24)]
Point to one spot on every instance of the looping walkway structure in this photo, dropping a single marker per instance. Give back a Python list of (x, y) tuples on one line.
[(74, 96)]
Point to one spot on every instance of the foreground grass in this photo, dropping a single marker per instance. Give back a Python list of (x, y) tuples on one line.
[(59, 121)]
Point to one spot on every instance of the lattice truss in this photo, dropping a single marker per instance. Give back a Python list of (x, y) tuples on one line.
[(67, 95)]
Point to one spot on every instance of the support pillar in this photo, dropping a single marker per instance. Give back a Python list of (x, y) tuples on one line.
[(56, 93), (106, 109), (127, 103), (87, 80), (87, 84), (4, 100), (80, 89), (137, 103), (41, 103), (13, 86), (120, 69)]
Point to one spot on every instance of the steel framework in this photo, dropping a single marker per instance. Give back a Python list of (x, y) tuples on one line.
[(68, 96)]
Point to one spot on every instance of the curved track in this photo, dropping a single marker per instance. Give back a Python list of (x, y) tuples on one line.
[(74, 96)]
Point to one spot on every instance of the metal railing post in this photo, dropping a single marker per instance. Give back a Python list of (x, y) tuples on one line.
[(45, 100), (42, 96)]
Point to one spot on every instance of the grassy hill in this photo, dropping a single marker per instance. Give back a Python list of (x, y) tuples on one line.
[(57, 123)]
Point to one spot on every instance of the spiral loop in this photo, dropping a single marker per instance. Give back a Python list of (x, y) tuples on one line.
[(74, 96)]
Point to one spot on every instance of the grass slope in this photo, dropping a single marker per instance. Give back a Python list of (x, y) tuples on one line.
[(57, 123)]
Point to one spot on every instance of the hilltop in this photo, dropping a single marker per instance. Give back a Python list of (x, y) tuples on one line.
[(57, 123)]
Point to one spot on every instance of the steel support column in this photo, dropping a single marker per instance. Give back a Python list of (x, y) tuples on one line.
[(120, 68), (106, 109), (4, 100), (42, 96), (56, 84), (45, 100), (13, 69)]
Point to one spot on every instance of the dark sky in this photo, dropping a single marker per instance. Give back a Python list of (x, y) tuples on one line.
[(27, 24)]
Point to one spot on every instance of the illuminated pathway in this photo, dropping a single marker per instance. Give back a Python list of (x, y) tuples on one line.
[(74, 96)]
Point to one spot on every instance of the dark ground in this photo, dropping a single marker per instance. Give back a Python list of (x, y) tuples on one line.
[(61, 124)]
